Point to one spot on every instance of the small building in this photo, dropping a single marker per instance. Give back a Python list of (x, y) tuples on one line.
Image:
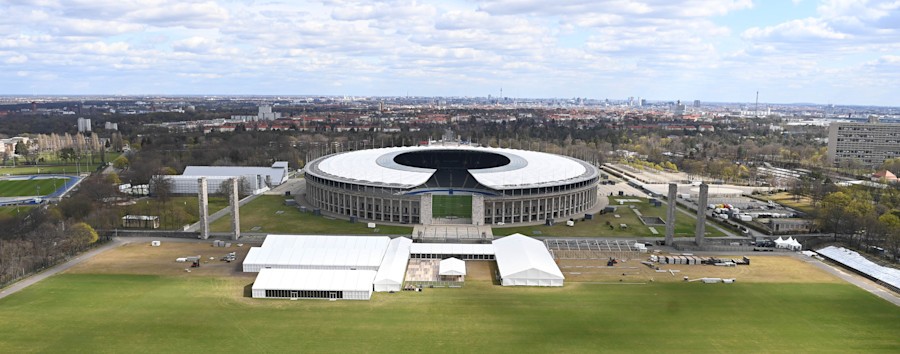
[(141, 221), (785, 225), (313, 284), (884, 176), (452, 269)]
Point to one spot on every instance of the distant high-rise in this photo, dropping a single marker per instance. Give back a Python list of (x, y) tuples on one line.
[(84, 125), (868, 143), (696, 103)]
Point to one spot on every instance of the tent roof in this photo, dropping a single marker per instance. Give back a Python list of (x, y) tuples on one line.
[(452, 248), (304, 250), (452, 266), (856, 261), (314, 279), (393, 266), (517, 253)]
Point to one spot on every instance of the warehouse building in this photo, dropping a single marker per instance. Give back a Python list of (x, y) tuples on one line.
[(255, 180)]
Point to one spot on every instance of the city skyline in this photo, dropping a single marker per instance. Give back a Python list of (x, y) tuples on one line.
[(839, 52)]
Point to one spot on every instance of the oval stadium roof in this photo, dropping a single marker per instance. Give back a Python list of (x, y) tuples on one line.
[(527, 169)]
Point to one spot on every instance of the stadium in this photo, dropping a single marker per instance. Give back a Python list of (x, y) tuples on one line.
[(458, 184)]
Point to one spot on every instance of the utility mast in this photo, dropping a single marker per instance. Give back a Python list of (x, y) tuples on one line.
[(757, 105)]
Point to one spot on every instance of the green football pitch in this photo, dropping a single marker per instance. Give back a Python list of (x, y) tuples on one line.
[(24, 188), (451, 205), (93, 313)]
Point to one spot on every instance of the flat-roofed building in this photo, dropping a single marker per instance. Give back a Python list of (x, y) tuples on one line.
[(868, 143)]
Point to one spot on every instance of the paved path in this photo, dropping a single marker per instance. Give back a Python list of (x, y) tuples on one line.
[(862, 283), (22, 284)]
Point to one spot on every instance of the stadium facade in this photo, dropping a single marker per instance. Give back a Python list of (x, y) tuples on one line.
[(398, 184)]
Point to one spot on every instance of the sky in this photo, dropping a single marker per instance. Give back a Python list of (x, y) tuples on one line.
[(826, 51)]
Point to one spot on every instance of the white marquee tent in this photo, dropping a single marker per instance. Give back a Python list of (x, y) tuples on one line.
[(313, 284), (317, 252), (465, 251), (790, 243), (452, 266), (524, 261), (854, 260), (393, 266)]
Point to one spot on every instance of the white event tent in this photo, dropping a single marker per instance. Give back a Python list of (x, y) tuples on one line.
[(393, 266), (313, 284), (317, 252), (524, 261), (452, 266)]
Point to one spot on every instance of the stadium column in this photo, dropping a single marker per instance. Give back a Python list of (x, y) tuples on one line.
[(701, 215), (670, 214), (204, 207), (235, 209)]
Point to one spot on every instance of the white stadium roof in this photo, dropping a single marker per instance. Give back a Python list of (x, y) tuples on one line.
[(317, 252), (526, 169), (522, 260)]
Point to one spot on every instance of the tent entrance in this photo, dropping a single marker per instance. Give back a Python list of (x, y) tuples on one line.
[(332, 295), (294, 294)]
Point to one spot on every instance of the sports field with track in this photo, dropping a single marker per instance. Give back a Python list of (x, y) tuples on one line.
[(30, 187)]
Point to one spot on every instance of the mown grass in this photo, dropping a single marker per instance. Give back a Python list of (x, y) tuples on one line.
[(451, 205), (93, 313), (684, 224), (24, 188), (263, 213)]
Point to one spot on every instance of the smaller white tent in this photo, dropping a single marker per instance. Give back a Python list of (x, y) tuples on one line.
[(452, 266), (790, 243), (524, 261)]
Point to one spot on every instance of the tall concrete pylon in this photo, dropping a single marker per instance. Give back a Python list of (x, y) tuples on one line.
[(204, 207), (670, 214), (701, 215), (235, 209)]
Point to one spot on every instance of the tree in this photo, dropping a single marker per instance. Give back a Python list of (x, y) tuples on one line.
[(21, 148), (121, 163), (845, 212), (243, 188), (112, 178), (81, 235), (161, 187), (66, 154)]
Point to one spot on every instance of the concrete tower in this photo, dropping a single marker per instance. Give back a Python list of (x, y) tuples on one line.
[(204, 208), (701, 214), (235, 209), (670, 214)]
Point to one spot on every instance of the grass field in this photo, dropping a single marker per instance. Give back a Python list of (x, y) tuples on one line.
[(451, 205), (152, 314), (263, 213), (10, 211), (176, 213), (26, 188), (803, 204), (56, 166), (684, 224)]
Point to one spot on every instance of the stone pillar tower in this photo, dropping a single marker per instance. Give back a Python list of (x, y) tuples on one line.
[(670, 214), (202, 194), (701, 214), (477, 209), (235, 209), (425, 205)]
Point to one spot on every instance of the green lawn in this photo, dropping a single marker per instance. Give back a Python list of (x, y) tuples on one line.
[(263, 213), (24, 188), (152, 314), (684, 224), (53, 165), (803, 204), (176, 213), (10, 211), (451, 205)]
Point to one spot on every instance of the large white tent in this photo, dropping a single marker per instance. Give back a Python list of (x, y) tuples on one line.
[(522, 260), (313, 284), (393, 266), (317, 252), (858, 262)]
